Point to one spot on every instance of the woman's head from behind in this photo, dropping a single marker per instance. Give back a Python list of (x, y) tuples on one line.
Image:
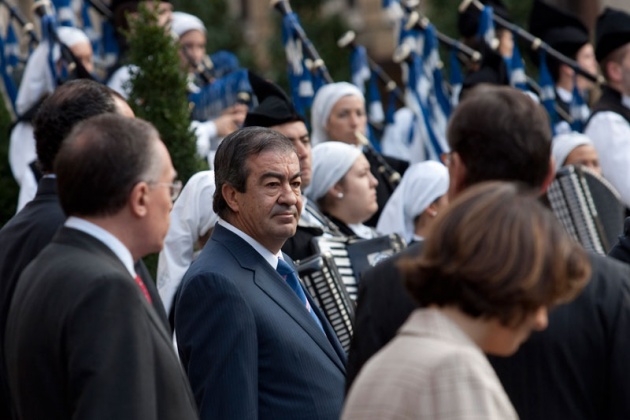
[(342, 184), (338, 112), (498, 254)]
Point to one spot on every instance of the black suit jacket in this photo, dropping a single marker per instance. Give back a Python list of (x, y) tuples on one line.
[(21, 240), (575, 369), (383, 305), (83, 341)]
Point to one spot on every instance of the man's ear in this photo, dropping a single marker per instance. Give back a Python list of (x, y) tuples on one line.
[(230, 195), (551, 175), (457, 173), (613, 71), (138, 201)]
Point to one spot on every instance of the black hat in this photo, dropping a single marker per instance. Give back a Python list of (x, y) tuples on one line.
[(274, 106), (562, 31), (468, 21), (612, 32), (493, 70)]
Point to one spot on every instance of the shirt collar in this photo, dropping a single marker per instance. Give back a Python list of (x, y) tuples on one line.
[(269, 256), (113, 243)]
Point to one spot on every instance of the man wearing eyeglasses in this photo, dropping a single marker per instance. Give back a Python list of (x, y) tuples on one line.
[(28, 232), (85, 339)]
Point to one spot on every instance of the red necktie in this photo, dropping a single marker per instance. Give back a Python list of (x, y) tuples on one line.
[(142, 287)]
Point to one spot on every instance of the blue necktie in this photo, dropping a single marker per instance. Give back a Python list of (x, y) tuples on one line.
[(292, 280)]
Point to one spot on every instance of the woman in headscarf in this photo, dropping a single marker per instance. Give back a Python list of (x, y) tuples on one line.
[(343, 187), (575, 149), (338, 114), (416, 202), (37, 83)]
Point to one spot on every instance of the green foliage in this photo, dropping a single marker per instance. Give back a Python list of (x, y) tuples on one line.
[(8, 186), (158, 91)]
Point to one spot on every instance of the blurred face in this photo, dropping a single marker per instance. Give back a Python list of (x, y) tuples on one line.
[(296, 131), (346, 117), (192, 49), (165, 12), (584, 155), (504, 341), (506, 43), (359, 193), (159, 200), (83, 53), (270, 207), (586, 59)]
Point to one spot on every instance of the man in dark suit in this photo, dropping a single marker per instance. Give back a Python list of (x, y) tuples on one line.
[(83, 340), (251, 339), (576, 367), (24, 236)]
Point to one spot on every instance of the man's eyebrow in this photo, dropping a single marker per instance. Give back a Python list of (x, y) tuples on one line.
[(279, 176)]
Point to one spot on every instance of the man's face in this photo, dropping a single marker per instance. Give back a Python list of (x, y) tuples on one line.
[(271, 205), (585, 57), (625, 71), (192, 46), (297, 133), (159, 200), (83, 53)]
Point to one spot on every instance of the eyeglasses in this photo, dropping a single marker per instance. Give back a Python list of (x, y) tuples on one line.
[(175, 187)]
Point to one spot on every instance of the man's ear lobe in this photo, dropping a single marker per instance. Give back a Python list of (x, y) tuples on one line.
[(138, 200), (551, 175), (230, 195), (458, 173)]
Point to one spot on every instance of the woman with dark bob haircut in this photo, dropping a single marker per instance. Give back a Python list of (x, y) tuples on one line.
[(495, 261)]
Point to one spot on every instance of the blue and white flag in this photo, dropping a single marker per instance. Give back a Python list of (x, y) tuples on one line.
[(456, 79), (547, 89), (9, 84), (516, 70), (11, 49), (300, 80), (376, 115), (210, 101), (359, 67), (486, 26), (65, 14), (88, 28), (578, 109)]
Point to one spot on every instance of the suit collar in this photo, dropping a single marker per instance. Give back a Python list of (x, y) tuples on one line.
[(75, 238), (47, 186), (272, 284)]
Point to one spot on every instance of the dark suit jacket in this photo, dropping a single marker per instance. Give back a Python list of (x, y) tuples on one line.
[(250, 348), (383, 305), (83, 341), (21, 240), (576, 369)]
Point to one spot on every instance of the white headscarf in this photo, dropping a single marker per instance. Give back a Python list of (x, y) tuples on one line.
[(323, 103), (331, 161), (422, 184), (184, 22), (563, 144), (37, 79)]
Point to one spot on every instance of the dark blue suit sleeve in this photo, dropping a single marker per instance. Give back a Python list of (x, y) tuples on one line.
[(217, 342)]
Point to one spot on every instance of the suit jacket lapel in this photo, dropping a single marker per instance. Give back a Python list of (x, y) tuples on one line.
[(272, 284)]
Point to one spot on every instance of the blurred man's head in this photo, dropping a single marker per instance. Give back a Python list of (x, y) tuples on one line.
[(612, 48), (499, 133), (117, 169), (69, 104)]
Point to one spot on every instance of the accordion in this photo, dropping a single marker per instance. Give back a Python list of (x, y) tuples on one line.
[(321, 278), (588, 207), (331, 275)]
